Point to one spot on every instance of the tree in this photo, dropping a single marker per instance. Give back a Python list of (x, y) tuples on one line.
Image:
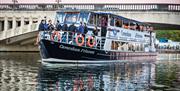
[(173, 35)]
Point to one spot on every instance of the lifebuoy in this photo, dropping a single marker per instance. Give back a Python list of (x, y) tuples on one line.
[(77, 40), (55, 36), (89, 41)]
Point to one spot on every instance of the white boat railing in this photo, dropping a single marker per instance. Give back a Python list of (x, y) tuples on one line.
[(77, 39)]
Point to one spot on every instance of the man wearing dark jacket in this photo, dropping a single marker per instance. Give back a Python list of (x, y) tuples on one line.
[(42, 25), (85, 28), (72, 28), (50, 25), (58, 26)]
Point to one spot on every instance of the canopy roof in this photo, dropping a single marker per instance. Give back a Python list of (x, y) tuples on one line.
[(107, 13), (122, 18)]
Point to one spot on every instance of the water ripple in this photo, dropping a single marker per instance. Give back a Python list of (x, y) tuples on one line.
[(23, 72)]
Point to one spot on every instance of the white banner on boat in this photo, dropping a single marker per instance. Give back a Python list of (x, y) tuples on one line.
[(128, 35)]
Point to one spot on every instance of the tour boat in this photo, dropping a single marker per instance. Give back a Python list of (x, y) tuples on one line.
[(117, 38)]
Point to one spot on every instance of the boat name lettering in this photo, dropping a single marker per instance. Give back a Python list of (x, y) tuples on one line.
[(76, 49), (138, 35), (125, 33), (69, 48), (87, 51)]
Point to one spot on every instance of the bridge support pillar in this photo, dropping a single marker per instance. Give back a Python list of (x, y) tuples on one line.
[(5, 27), (13, 25), (39, 19), (5, 23), (30, 23), (1, 26), (22, 24)]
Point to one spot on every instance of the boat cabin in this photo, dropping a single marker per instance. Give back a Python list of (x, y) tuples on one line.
[(106, 31)]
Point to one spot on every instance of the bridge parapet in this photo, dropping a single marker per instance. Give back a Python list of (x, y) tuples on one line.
[(94, 6), (18, 31), (157, 13)]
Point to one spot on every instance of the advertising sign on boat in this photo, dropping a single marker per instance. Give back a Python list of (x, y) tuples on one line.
[(127, 35)]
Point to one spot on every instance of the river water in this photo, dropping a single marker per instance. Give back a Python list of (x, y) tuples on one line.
[(24, 72)]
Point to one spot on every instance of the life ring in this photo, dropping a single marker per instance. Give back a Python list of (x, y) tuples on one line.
[(79, 43), (89, 41), (54, 35)]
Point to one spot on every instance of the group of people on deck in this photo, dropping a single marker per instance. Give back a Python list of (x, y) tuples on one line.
[(44, 26), (81, 29)]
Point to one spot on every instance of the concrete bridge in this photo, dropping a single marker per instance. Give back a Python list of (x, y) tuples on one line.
[(19, 22), (18, 29)]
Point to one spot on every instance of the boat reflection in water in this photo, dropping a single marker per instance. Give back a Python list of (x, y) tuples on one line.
[(107, 77)]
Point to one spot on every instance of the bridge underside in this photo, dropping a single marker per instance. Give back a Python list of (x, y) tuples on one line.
[(20, 39), (21, 43), (161, 26)]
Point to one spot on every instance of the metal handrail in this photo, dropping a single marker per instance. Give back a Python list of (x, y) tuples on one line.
[(90, 6)]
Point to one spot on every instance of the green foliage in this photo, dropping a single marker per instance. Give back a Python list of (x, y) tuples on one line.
[(166, 73), (173, 35)]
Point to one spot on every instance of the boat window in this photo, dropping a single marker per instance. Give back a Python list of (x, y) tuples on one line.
[(83, 17), (148, 28), (125, 24), (120, 46), (138, 27), (91, 19), (130, 47), (141, 47), (127, 46), (144, 28), (137, 47), (151, 28), (112, 21), (96, 19), (103, 21), (60, 16), (133, 26), (141, 28), (71, 17), (115, 45), (118, 22)]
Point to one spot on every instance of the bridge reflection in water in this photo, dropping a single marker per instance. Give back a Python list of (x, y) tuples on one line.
[(22, 72), (18, 71)]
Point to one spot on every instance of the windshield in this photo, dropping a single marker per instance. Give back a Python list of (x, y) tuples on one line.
[(71, 17), (60, 17), (76, 17), (83, 17)]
